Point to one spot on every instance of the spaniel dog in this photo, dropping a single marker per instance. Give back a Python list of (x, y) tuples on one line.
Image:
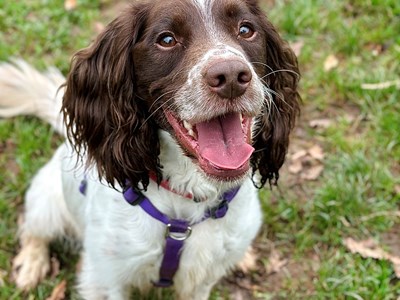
[(174, 116)]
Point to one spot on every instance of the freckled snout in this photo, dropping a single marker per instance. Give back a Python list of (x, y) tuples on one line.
[(228, 78)]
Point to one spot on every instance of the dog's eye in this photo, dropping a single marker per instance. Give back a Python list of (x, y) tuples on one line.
[(167, 40), (245, 31)]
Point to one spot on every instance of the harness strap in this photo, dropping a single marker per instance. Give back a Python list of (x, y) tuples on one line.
[(177, 230)]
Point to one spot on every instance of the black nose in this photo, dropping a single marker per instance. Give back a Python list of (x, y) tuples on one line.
[(228, 78)]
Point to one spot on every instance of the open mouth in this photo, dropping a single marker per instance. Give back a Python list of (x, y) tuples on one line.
[(220, 145)]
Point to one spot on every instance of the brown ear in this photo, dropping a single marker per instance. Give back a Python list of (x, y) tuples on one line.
[(281, 109), (104, 118)]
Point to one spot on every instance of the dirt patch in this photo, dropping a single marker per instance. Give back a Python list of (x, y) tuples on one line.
[(275, 271), (7, 152)]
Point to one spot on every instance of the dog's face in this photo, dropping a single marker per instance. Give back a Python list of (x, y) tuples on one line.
[(213, 73), (203, 88)]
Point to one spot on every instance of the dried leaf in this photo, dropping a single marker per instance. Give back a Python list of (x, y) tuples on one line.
[(320, 123), (370, 249), (313, 173), (366, 248), (297, 47), (299, 154), (58, 292), (396, 268), (316, 152), (378, 49), (275, 262), (331, 62), (70, 4), (249, 261), (381, 85), (295, 167)]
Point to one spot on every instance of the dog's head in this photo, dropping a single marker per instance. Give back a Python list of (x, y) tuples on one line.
[(215, 74)]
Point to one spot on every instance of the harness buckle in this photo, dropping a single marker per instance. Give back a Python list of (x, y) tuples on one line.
[(133, 196), (178, 235), (220, 210)]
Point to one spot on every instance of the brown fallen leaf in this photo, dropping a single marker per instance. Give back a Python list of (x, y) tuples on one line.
[(370, 249), (396, 268), (298, 154), (295, 167), (331, 62), (249, 261), (58, 292), (275, 262), (316, 152), (70, 4), (313, 173)]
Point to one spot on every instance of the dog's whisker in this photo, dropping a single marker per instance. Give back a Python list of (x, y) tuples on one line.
[(160, 97), (155, 111), (281, 71), (263, 64)]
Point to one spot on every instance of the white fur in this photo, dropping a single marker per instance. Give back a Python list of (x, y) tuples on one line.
[(39, 97), (123, 246)]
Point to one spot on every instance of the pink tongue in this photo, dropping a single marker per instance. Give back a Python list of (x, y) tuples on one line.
[(222, 142)]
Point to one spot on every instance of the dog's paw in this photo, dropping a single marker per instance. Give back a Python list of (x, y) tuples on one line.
[(31, 265)]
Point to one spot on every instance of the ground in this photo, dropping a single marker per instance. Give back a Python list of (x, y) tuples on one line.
[(341, 179)]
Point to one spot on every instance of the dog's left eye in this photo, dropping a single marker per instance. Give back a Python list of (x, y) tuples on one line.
[(167, 40), (245, 31)]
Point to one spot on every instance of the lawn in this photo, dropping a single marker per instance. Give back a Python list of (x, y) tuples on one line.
[(341, 180)]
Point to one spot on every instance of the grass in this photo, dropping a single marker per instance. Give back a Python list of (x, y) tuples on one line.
[(305, 221)]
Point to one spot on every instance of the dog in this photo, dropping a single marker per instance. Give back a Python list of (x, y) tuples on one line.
[(174, 117)]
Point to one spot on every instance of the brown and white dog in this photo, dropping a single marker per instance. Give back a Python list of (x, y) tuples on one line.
[(200, 95)]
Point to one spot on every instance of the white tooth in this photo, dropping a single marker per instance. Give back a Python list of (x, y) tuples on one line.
[(191, 133), (187, 125), (241, 118)]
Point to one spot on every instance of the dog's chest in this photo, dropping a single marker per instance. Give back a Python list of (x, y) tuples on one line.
[(125, 238)]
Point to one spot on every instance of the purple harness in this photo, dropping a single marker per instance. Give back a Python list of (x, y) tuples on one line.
[(177, 231)]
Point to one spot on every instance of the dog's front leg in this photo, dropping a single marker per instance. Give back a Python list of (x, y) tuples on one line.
[(32, 263)]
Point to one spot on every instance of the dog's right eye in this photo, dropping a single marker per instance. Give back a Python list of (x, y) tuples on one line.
[(167, 40)]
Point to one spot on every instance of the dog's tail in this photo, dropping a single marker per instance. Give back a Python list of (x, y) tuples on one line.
[(26, 91)]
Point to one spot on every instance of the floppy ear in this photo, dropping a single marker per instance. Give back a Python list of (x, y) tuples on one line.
[(105, 119), (281, 107)]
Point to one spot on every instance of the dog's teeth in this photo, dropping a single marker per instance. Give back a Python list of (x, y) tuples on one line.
[(187, 125), (192, 133), (189, 129), (241, 118)]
